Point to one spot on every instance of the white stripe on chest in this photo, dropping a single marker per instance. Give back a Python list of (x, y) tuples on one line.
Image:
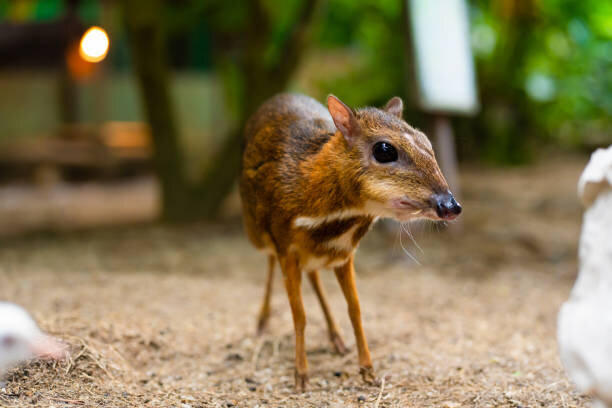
[(313, 222)]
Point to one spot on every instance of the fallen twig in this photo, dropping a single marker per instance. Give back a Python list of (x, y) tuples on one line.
[(68, 401), (382, 387)]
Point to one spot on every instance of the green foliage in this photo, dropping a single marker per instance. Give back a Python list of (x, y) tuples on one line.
[(44, 10), (374, 29), (544, 70), (543, 77)]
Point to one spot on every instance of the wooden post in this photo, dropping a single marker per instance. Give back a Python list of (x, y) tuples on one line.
[(446, 154), (444, 145)]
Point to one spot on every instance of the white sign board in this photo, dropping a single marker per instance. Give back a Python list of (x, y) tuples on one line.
[(443, 60)]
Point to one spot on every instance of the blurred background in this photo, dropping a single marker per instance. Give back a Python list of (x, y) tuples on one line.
[(148, 125)]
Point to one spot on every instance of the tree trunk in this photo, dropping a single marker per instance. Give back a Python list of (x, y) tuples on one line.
[(147, 40)]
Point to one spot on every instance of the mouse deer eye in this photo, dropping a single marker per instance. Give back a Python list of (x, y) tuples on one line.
[(384, 152)]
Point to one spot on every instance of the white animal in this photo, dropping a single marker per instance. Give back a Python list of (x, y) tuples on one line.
[(585, 320), (21, 339)]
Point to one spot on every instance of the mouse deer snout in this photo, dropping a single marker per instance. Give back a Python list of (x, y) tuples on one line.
[(445, 205)]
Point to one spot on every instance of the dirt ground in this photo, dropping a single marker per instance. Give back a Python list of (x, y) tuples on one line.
[(165, 316)]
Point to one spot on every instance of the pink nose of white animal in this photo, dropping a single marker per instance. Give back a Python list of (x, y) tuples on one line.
[(21, 339)]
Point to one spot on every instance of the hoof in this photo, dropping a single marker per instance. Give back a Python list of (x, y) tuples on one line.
[(301, 382), (261, 328), (262, 325), (368, 375), (338, 343)]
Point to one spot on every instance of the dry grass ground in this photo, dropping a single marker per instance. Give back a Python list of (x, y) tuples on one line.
[(158, 316)]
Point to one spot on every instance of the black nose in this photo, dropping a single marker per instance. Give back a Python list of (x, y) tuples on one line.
[(445, 205)]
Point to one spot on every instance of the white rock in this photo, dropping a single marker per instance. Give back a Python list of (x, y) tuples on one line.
[(585, 320), (21, 339)]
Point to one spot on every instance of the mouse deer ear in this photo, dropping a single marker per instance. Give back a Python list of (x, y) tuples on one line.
[(343, 117), (395, 106)]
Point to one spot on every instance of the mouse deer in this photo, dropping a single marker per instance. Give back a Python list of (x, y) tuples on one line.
[(313, 182)]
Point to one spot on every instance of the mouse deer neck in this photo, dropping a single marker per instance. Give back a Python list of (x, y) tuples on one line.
[(332, 176)]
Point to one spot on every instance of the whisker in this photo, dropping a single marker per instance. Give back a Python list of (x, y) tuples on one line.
[(398, 238), (405, 250), (406, 228)]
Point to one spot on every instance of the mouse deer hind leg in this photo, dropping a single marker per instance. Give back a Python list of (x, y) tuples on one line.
[(346, 278), (334, 332), (264, 312), (293, 282)]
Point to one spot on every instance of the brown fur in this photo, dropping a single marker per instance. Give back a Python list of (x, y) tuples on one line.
[(298, 168)]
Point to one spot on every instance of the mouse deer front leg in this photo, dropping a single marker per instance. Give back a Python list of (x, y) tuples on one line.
[(293, 280), (346, 278), (334, 332)]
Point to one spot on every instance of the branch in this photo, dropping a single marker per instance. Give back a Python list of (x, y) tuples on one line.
[(258, 16), (292, 50), (257, 32)]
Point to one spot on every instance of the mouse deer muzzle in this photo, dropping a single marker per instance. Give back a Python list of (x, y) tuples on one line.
[(445, 205)]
